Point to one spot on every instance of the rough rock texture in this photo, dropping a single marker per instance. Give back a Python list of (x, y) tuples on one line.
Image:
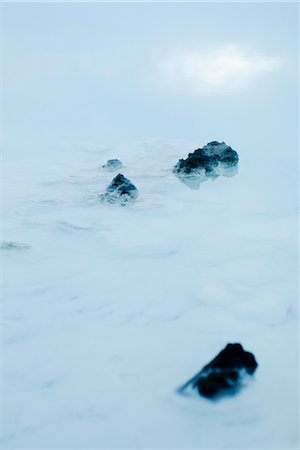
[(121, 190), (112, 165), (224, 373), (214, 159)]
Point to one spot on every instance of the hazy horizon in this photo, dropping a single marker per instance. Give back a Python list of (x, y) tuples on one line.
[(107, 74)]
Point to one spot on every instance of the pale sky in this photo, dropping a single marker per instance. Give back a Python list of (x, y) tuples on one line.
[(113, 73)]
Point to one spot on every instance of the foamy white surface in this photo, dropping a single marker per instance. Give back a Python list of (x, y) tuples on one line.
[(108, 309)]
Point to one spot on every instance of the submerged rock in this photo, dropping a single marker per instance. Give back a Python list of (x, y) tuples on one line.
[(121, 190), (224, 374), (211, 161), (112, 165), (10, 245)]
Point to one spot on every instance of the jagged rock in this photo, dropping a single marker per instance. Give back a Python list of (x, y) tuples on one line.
[(112, 164), (224, 374), (121, 190), (214, 159)]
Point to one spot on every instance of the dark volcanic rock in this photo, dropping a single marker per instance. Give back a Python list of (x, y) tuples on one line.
[(112, 164), (214, 159), (120, 190), (224, 373)]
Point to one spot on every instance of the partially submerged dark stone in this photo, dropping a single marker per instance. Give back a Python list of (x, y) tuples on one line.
[(214, 159), (224, 373), (112, 164), (11, 245), (121, 190)]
